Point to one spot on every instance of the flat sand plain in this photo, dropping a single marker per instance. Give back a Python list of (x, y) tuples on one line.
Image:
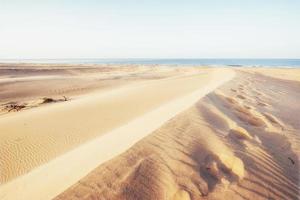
[(148, 132)]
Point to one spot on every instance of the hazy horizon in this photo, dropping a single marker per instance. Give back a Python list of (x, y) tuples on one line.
[(143, 29)]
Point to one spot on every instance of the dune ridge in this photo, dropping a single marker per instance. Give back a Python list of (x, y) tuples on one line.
[(223, 147), (149, 132), (189, 88)]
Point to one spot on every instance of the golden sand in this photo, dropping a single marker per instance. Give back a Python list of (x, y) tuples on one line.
[(151, 133)]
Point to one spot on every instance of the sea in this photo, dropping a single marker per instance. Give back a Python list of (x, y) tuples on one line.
[(213, 62)]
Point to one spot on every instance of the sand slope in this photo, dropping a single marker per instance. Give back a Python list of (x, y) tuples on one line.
[(27, 85), (239, 142), (34, 137)]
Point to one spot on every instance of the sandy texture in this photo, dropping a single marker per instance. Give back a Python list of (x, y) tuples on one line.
[(290, 74), (239, 142), (140, 132), (33, 137), (28, 85)]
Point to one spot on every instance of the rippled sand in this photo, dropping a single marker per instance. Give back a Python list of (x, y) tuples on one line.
[(152, 133)]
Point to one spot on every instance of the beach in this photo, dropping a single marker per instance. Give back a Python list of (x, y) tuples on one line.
[(101, 131)]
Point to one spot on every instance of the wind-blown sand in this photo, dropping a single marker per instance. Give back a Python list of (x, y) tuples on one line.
[(216, 134)]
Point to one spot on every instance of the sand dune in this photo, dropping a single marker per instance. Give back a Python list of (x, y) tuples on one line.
[(223, 147), (33, 137), (27, 84), (162, 133)]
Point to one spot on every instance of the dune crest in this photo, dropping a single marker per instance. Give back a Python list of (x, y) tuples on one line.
[(167, 133), (171, 100), (223, 147)]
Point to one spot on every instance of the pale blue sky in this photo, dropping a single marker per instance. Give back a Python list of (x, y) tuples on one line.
[(150, 29)]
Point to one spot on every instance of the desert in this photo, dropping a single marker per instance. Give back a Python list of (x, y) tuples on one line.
[(148, 132)]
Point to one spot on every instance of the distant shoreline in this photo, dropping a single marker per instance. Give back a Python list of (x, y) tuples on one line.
[(294, 63)]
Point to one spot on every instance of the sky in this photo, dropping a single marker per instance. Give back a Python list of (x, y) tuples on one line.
[(149, 29)]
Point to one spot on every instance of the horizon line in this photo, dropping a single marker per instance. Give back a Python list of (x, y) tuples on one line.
[(158, 58)]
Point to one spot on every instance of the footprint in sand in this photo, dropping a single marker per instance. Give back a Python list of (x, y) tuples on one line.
[(240, 133), (240, 96), (239, 136), (258, 93), (231, 100), (215, 171), (246, 116), (259, 103), (247, 107), (242, 113), (273, 119)]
